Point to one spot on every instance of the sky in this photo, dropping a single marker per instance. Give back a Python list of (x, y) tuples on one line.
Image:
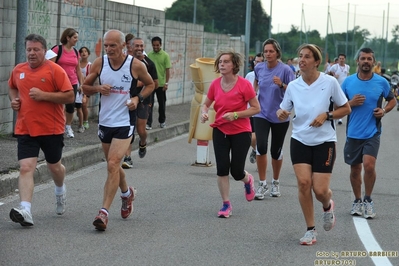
[(313, 14)]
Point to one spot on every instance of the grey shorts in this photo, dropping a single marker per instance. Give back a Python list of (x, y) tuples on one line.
[(355, 149)]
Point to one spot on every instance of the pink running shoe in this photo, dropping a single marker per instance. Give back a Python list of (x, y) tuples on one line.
[(250, 189), (101, 221), (127, 203), (225, 211)]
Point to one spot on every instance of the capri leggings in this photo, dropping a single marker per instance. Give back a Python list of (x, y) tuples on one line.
[(235, 145), (70, 107), (262, 128)]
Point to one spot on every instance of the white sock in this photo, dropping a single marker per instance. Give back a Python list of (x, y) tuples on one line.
[(27, 205), (263, 182), (126, 194), (67, 126), (60, 190)]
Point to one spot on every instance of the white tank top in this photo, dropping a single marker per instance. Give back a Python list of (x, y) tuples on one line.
[(113, 109)]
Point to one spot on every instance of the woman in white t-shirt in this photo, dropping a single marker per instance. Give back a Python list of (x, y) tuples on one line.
[(317, 99), (85, 68)]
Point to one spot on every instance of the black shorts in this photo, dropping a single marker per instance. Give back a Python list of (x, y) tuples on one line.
[(78, 105), (29, 147), (143, 110), (355, 149), (251, 119), (320, 157), (106, 134)]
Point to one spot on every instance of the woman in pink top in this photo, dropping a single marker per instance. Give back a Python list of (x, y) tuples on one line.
[(69, 61), (231, 95)]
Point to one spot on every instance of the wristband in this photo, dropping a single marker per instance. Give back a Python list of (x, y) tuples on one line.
[(235, 116)]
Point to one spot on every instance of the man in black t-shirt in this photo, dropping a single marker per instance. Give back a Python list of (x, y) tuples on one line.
[(137, 48)]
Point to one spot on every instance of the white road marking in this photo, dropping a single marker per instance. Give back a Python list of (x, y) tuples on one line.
[(368, 240)]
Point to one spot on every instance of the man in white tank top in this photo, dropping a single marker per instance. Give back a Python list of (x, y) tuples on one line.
[(118, 75), (340, 71)]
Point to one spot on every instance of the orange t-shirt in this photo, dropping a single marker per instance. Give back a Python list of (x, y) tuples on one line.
[(39, 118)]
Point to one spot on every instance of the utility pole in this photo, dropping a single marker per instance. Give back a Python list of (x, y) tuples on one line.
[(247, 34), (195, 12)]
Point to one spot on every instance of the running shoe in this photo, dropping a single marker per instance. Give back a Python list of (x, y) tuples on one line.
[(69, 132), (252, 157), (329, 217), (369, 212), (148, 127), (250, 189), (142, 150), (261, 191), (357, 208), (22, 216), (101, 221), (127, 203), (127, 162), (309, 238), (81, 129), (275, 189), (162, 125), (61, 202), (225, 211), (86, 124)]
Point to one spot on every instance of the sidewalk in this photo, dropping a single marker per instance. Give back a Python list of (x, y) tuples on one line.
[(85, 149)]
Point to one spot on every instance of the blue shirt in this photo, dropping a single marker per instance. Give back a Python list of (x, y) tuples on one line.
[(362, 124)]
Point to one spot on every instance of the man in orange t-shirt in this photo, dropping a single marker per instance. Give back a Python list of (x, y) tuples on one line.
[(38, 90)]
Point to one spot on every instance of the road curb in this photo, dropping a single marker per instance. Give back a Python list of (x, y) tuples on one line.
[(84, 156)]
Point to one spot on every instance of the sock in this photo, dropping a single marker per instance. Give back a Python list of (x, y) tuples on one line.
[(67, 126), (310, 228), (60, 190), (125, 194), (226, 202), (263, 182), (27, 205), (104, 210), (367, 198), (358, 200), (328, 208)]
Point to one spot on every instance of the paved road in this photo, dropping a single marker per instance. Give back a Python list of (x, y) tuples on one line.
[(175, 223)]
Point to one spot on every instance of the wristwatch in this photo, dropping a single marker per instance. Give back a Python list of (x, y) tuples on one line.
[(141, 98), (329, 116), (282, 85)]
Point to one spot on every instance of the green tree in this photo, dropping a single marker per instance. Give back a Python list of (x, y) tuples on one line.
[(226, 17)]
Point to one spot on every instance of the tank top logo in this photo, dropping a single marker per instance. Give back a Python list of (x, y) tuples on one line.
[(126, 78)]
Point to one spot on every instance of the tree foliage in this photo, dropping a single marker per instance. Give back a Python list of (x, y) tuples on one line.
[(228, 17)]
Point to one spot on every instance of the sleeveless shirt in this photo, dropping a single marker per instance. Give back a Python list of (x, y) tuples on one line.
[(113, 110)]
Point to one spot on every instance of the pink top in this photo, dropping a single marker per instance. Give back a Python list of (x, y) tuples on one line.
[(234, 100), (68, 61)]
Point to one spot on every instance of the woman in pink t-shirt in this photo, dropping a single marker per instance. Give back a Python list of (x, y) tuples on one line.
[(69, 61), (231, 95)]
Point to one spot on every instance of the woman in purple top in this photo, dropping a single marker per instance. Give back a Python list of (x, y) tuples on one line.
[(271, 79)]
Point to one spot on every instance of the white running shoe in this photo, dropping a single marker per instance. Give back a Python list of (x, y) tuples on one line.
[(61, 202), (357, 208), (329, 217), (275, 189), (69, 132), (261, 191), (22, 216), (369, 211), (309, 238)]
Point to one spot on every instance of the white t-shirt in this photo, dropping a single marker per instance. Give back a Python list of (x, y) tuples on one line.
[(50, 54), (340, 72), (309, 102)]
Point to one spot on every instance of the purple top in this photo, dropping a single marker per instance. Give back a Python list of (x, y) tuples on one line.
[(270, 95)]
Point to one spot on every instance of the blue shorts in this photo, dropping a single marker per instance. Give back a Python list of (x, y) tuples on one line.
[(355, 149)]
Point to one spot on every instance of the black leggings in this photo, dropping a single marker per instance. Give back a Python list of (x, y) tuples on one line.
[(238, 145), (70, 107), (262, 128)]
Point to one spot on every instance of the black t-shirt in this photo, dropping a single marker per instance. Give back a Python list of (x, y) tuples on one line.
[(153, 73)]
